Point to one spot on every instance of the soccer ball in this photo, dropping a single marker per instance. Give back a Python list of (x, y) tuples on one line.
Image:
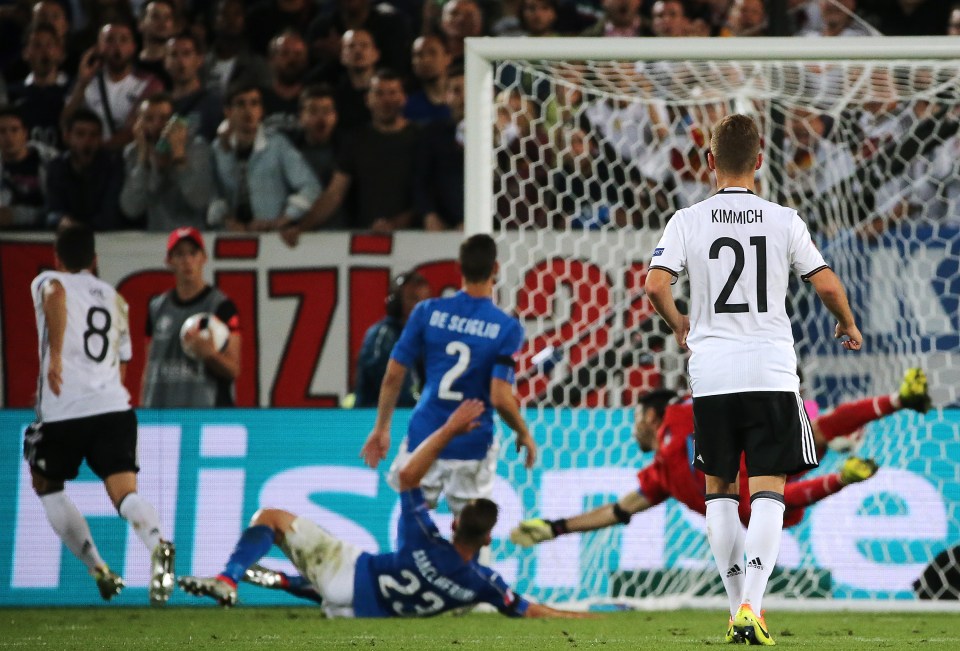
[(210, 326)]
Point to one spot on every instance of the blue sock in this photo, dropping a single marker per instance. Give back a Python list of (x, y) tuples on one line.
[(253, 545)]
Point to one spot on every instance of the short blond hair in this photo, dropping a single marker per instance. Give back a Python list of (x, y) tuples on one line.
[(735, 143)]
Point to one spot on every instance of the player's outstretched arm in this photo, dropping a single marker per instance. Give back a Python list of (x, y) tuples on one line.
[(536, 530), (503, 400), (541, 611), (462, 420), (55, 314), (831, 292), (377, 445), (657, 286)]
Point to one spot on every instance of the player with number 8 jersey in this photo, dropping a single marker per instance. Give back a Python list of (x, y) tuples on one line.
[(83, 410), (468, 347)]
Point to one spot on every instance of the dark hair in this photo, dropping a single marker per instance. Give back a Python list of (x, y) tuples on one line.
[(735, 143), (126, 24), (159, 97), (478, 257), (658, 399), (83, 114), (476, 521), (395, 297), (387, 74), (75, 247), (287, 33), (189, 36), (8, 111), (169, 3), (240, 87), (317, 91), (553, 4)]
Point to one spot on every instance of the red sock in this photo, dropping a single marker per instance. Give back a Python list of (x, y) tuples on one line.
[(851, 416), (809, 491)]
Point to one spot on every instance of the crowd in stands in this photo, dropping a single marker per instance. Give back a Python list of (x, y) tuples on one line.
[(295, 115)]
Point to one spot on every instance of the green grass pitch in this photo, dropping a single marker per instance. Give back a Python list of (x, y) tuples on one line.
[(264, 629)]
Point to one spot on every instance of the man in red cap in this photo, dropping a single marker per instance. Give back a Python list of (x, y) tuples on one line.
[(172, 378)]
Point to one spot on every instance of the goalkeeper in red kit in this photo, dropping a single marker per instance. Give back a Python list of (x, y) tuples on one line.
[(667, 429)]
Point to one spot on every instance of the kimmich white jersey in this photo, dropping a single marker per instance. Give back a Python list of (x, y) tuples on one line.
[(96, 340), (738, 251)]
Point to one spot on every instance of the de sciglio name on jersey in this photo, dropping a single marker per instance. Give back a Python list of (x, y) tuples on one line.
[(454, 323), (721, 216)]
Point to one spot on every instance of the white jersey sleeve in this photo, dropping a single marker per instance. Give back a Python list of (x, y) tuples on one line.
[(805, 259), (96, 339), (670, 253)]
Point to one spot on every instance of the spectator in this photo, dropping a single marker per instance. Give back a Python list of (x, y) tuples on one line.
[(170, 377), (359, 57), (439, 172), (953, 26), (42, 95), (746, 18), (408, 289), (83, 184), (539, 17), (669, 18), (318, 140), (620, 18), (288, 65), (377, 163), (838, 18), (22, 172), (168, 178), (461, 19), (158, 22), (262, 180), (53, 14), (267, 18), (430, 62), (231, 60), (913, 17), (200, 106), (389, 29), (108, 84)]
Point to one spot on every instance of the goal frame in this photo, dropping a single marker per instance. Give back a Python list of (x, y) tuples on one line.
[(481, 55), (482, 52)]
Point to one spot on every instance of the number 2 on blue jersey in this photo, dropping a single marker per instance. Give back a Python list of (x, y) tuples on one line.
[(462, 351)]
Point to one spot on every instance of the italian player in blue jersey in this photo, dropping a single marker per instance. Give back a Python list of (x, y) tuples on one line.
[(426, 576), (469, 348)]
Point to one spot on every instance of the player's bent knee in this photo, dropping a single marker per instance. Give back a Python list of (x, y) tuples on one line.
[(43, 486), (277, 519)]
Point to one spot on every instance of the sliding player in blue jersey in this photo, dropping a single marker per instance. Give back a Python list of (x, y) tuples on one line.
[(426, 576), (469, 348)]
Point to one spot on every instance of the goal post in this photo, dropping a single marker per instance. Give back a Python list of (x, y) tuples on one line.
[(577, 152)]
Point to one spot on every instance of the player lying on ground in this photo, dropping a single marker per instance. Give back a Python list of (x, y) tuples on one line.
[(668, 430), (426, 576)]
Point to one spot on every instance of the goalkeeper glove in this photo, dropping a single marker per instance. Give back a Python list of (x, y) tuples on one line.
[(856, 469), (537, 530)]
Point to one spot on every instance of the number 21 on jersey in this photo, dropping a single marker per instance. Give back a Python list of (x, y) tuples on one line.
[(721, 306)]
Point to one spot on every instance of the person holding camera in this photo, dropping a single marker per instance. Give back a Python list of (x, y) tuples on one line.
[(169, 179)]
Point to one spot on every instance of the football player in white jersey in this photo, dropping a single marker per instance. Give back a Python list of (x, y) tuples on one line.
[(83, 410), (738, 251)]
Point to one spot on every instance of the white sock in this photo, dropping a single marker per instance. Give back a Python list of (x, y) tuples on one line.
[(72, 527), (762, 545), (142, 517), (726, 542)]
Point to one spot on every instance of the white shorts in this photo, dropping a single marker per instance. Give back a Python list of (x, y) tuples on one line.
[(459, 480), (327, 562)]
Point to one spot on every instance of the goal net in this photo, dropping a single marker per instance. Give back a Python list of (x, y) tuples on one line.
[(579, 151)]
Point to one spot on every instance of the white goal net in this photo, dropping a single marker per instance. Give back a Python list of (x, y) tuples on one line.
[(579, 150)]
